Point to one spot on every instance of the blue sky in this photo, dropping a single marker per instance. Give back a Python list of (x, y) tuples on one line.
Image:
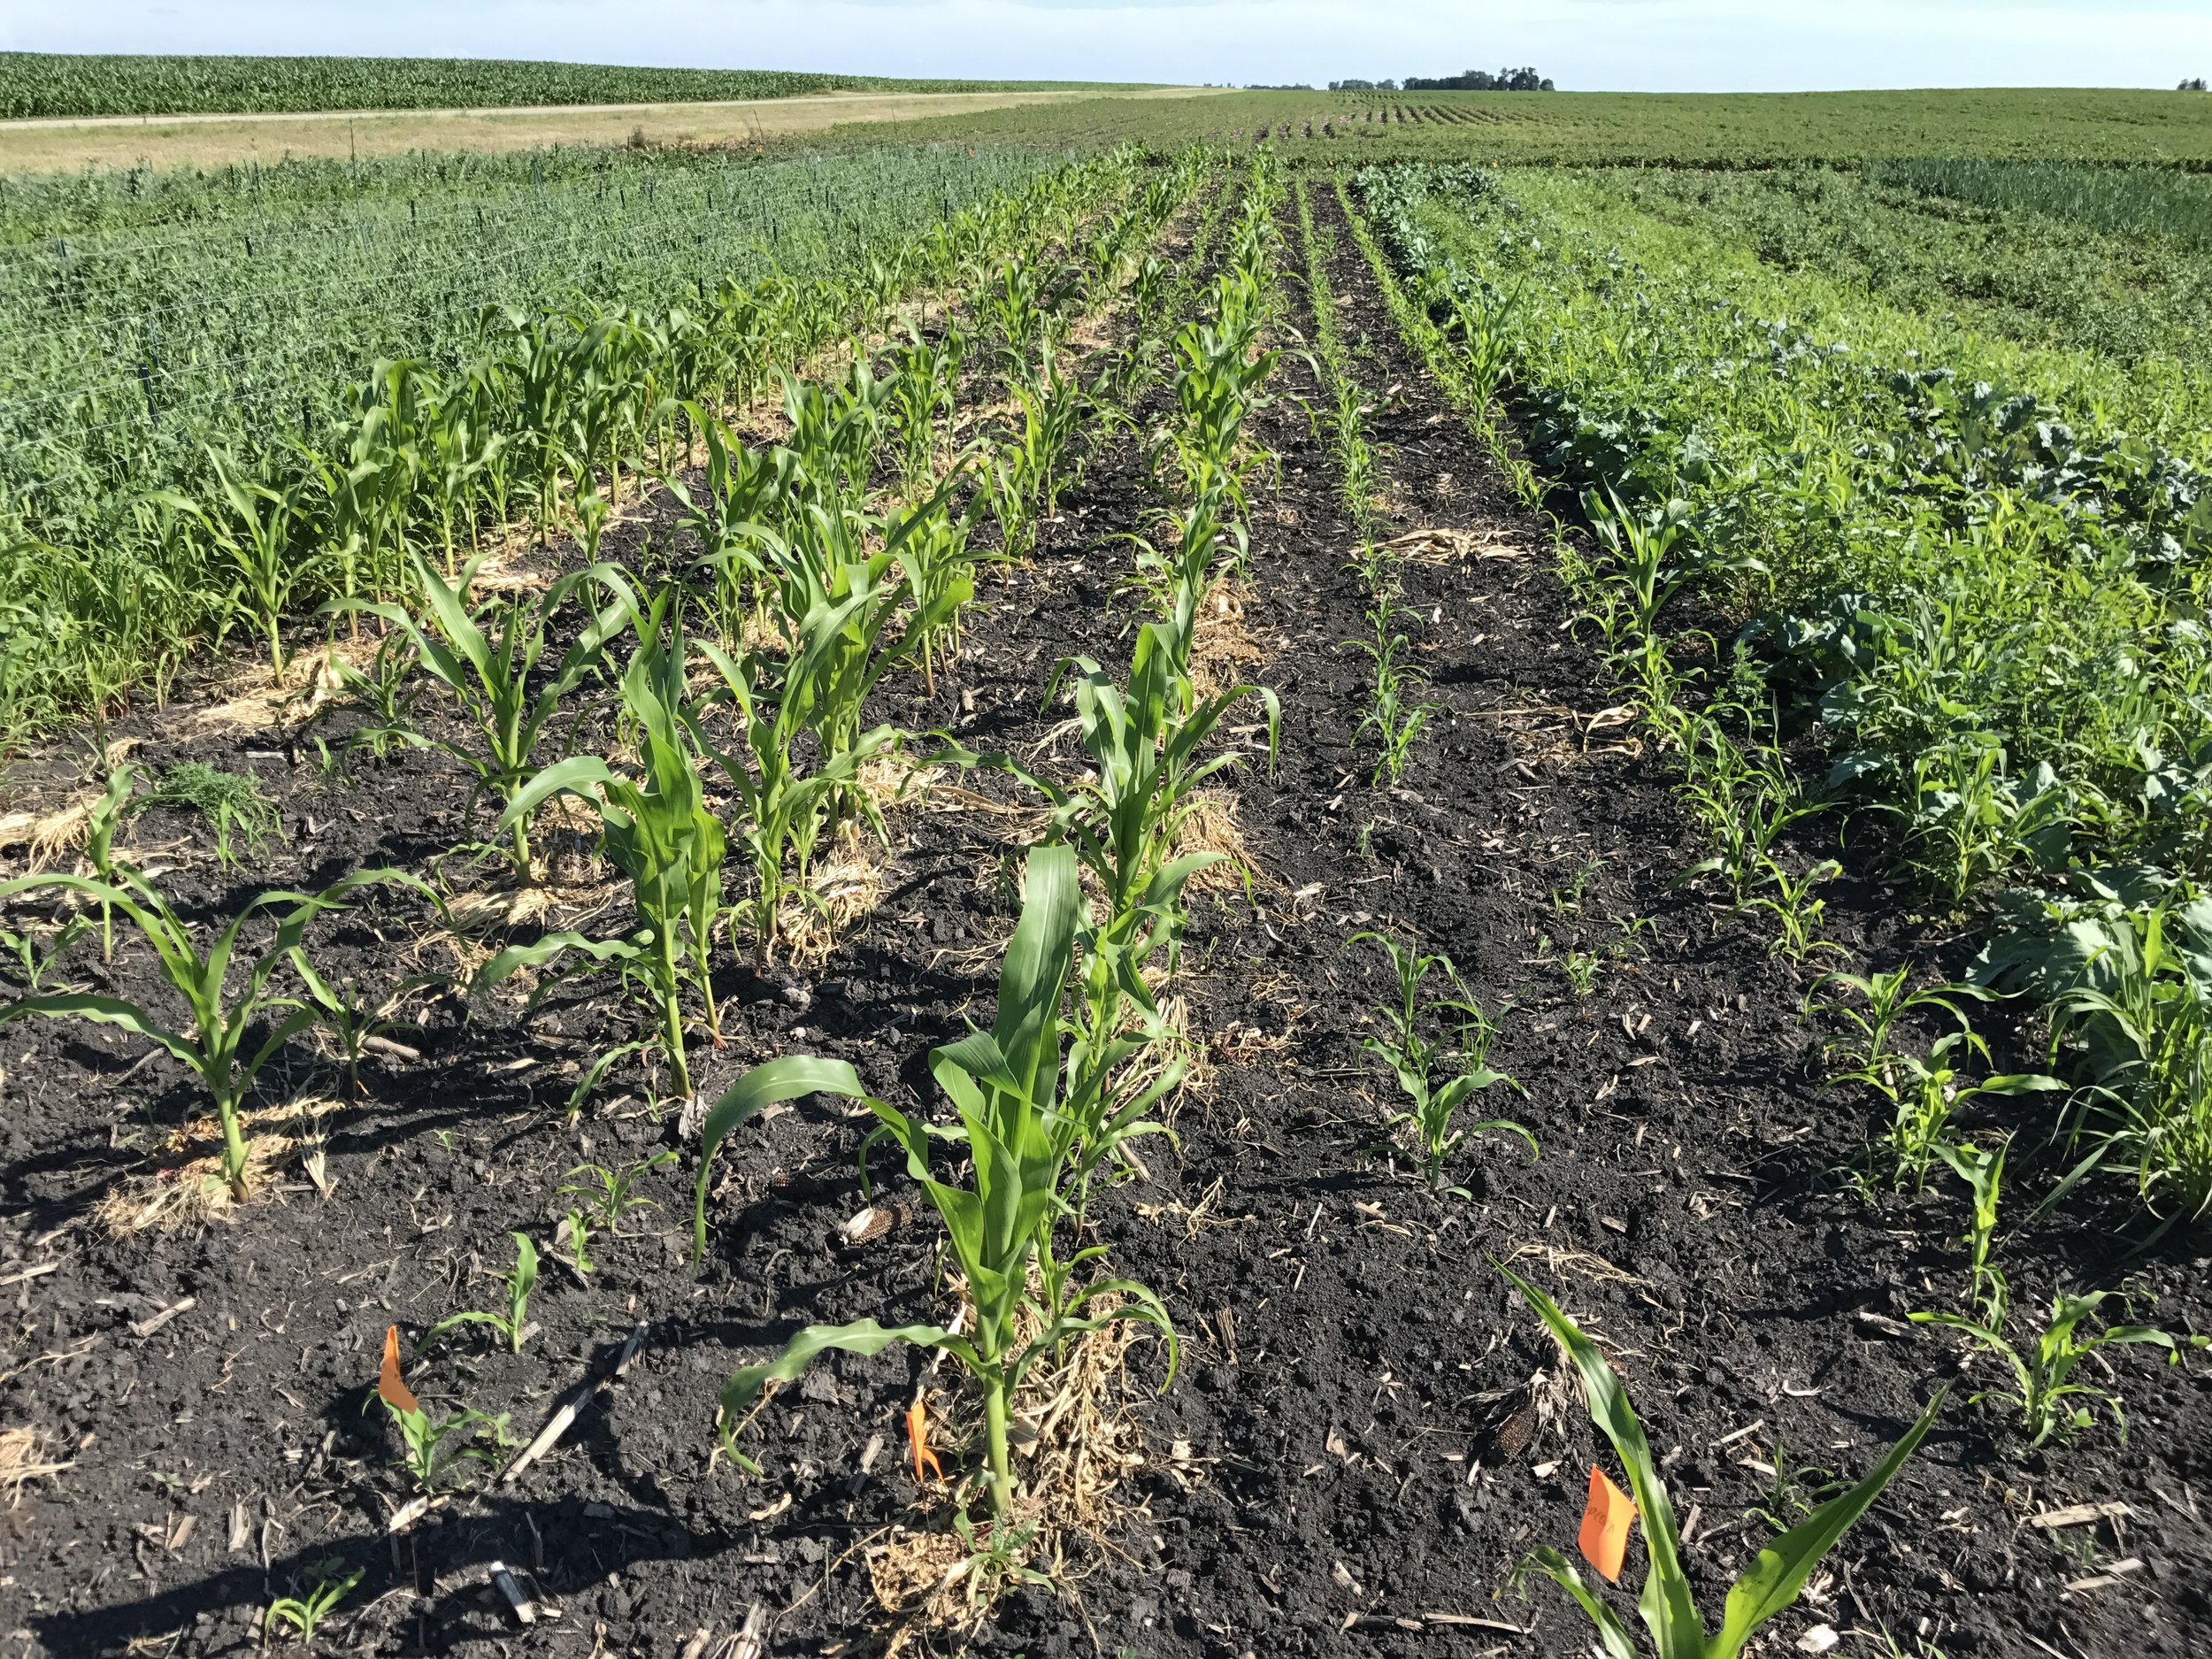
[(1684, 45)]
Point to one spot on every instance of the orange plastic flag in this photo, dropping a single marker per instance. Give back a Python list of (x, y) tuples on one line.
[(918, 1437), (1606, 1518), (395, 1392)]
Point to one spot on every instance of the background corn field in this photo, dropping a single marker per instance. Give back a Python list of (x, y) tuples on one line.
[(45, 84)]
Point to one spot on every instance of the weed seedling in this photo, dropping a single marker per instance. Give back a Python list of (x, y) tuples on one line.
[(1581, 968), (609, 1196), (229, 800)]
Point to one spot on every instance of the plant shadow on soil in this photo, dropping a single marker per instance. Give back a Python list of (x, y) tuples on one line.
[(1344, 1476)]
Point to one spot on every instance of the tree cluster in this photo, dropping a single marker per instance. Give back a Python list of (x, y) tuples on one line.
[(1482, 80), (2195, 85)]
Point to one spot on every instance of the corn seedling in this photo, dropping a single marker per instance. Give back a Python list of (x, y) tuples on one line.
[(841, 606), (488, 658), (35, 956), (432, 1448), (1391, 715), (216, 1046), (1982, 1170), (512, 1325), (575, 1232), (1768, 1587), (2047, 1398), (1743, 795), (657, 833), (608, 1196), (352, 1014), (258, 538), (328, 1584), (1436, 1081), (1143, 742), (1796, 909), (1652, 554), (1924, 1093), (1004, 1083), (924, 390)]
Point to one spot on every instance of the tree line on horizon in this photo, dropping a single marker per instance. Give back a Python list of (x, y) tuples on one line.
[(1526, 79)]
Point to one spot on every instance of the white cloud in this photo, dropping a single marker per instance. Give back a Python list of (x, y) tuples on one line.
[(1686, 45)]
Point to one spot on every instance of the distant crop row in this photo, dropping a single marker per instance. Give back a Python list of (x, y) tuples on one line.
[(45, 84), (1970, 573), (2110, 261), (1725, 132), (128, 364)]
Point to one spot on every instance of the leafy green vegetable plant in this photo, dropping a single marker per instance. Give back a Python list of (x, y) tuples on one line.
[(1770, 1584)]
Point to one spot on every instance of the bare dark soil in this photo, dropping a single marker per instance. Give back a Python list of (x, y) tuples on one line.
[(1344, 1464)]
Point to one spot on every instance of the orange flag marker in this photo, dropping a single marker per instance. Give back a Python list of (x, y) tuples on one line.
[(395, 1392), (1606, 1519), (918, 1437)]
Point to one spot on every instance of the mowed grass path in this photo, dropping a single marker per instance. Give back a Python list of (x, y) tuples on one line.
[(57, 144)]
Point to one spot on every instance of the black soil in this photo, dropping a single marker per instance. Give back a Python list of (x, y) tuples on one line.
[(1346, 1456)]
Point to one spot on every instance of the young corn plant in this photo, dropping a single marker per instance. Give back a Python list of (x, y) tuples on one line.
[(924, 391), (1144, 743), (1769, 1585), (1391, 715), (1796, 908), (217, 1045), (351, 1014), (514, 1325), (1004, 1084), (488, 657), (1437, 1081), (658, 833), (328, 1582), (848, 620), (432, 1448), (2049, 1401), (1982, 1170), (1651, 553), (259, 538)]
